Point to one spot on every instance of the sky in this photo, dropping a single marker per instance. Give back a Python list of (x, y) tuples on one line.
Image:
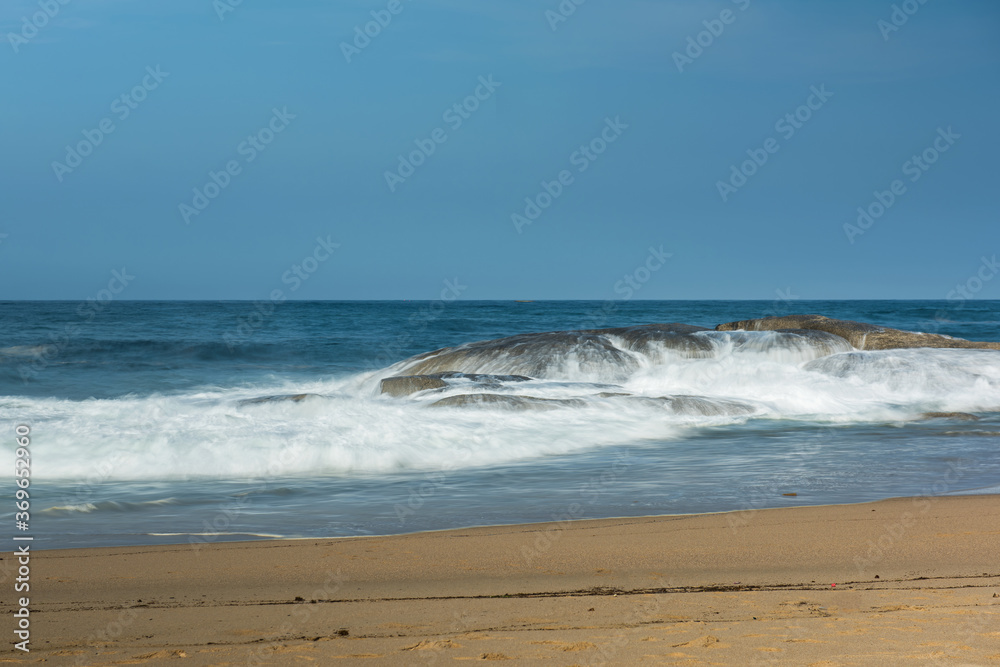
[(385, 149)]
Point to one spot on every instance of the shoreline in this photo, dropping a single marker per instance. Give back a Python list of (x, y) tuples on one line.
[(976, 492), (909, 579)]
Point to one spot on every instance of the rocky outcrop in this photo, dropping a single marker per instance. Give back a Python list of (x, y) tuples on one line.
[(404, 385), (536, 354), (859, 334), (673, 335), (594, 360), (525, 354)]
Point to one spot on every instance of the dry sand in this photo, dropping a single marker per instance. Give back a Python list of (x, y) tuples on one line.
[(917, 582)]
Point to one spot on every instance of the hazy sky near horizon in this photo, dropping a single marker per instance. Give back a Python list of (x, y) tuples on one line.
[(204, 147)]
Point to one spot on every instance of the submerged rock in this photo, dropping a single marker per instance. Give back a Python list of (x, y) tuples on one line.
[(682, 405), (275, 399), (708, 407), (404, 385), (859, 334), (688, 405), (410, 384), (961, 416), (506, 401)]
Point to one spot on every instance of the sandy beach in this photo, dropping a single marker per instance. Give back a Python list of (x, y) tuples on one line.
[(563, 333), (902, 581)]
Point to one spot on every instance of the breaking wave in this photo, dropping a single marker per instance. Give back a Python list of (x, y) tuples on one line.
[(492, 402)]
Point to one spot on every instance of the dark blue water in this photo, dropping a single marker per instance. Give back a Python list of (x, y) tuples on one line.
[(145, 347), (139, 437)]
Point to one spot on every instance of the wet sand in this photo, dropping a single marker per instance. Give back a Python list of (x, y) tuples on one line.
[(897, 582)]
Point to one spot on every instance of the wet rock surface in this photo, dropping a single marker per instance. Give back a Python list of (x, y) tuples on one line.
[(405, 385), (295, 398), (506, 401), (525, 354), (961, 416), (861, 335), (578, 364)]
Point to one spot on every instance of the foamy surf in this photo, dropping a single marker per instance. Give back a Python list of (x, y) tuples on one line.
[(108, 506), (148, 428), (584, 392)]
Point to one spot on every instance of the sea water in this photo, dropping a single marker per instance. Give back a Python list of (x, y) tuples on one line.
[(145, 430)]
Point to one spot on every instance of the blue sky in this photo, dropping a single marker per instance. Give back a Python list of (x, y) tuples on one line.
[(225, 80)]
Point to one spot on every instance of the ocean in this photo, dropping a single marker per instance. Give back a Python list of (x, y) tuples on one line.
[(144, 428)]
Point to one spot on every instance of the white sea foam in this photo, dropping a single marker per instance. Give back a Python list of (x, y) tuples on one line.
[(24, 350), (348, 428), (218, 535), (983, 491), (107, 505)]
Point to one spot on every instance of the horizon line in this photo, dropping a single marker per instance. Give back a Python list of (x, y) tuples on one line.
[(455, 301)]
